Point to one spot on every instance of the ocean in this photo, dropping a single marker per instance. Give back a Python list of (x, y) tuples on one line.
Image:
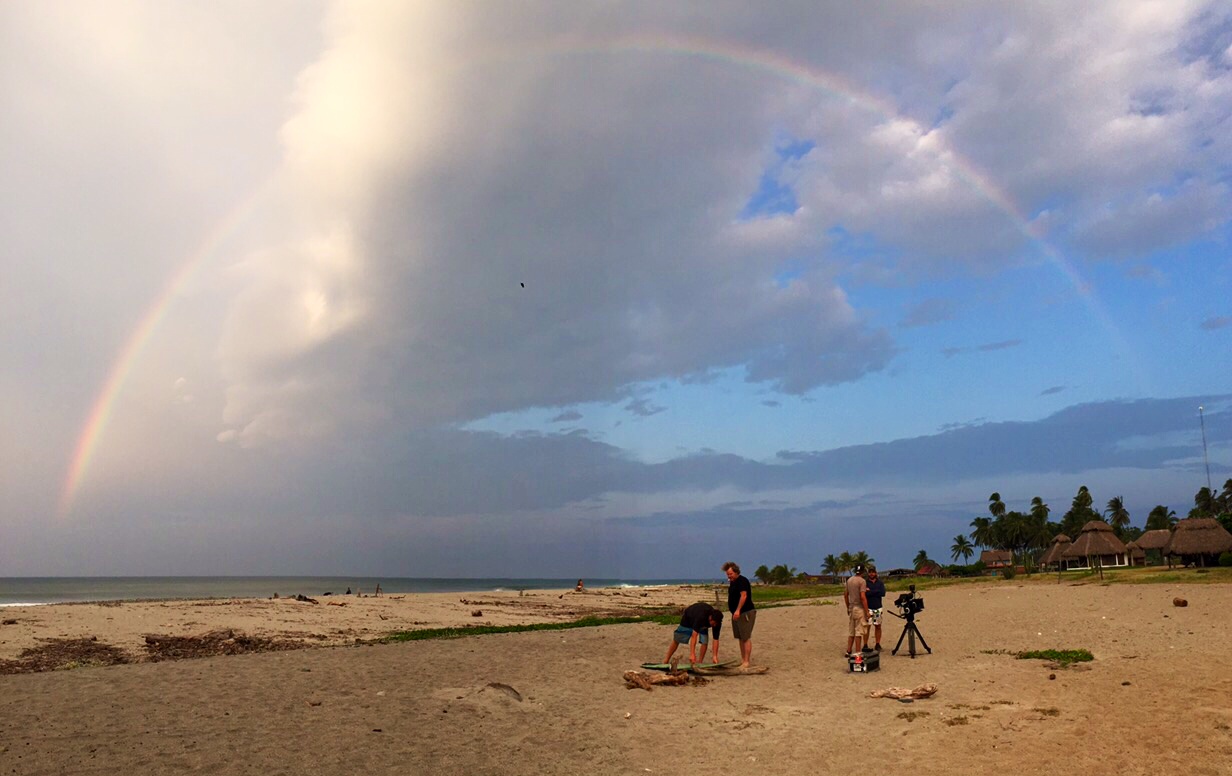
[(29, 591)]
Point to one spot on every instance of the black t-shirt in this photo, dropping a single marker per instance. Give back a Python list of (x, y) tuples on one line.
[(737, 586), (697, 617), (875, 592)]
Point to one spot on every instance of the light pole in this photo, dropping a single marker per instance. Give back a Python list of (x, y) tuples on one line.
[(1205, 459)]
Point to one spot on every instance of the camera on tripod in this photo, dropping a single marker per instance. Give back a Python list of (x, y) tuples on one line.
[(909, 603)]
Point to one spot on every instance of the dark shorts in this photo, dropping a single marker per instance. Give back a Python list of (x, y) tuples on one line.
[(742, 626)]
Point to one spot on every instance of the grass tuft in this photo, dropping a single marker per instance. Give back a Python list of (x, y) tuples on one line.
[(1064, 657), (479, 630)]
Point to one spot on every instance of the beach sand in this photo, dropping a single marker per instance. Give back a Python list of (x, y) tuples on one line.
[(1157, 697)]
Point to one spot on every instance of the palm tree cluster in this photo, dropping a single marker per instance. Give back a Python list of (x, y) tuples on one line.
[(845, 562), (1022, 533), (779, 575)]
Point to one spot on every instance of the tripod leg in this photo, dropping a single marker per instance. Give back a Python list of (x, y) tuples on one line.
[(900, 641), (922, 641), (911, 641)]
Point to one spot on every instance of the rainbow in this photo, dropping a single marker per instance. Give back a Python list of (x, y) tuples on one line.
[(770, 63), (726, 53), (102, 408)]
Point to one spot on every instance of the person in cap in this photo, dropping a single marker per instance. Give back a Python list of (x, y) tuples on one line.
[(855, 597), (873, 595)]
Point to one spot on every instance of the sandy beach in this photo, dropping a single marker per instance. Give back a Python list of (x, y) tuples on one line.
[(1156, 698)]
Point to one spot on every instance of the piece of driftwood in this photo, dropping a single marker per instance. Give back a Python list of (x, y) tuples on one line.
[(635, 680), (923, 691)]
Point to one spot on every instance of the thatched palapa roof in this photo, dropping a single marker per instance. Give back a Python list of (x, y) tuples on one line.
[(1056, 550), (988, 557), (1096, 538), (1135, 551), (1155, 540), (1199, 536)]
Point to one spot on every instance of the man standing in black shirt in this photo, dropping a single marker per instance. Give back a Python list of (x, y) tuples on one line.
[(694, 623), (744, 614), (876, 591)]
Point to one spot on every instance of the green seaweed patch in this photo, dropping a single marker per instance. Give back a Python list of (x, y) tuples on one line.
[(1063, 657), (480, 630)]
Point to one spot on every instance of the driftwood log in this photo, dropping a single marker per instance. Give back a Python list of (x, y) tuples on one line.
[(635, 680), (897, 693)]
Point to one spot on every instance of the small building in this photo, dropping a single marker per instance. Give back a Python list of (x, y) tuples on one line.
[(1152, 544), (1198, 541), (1096, 547), (1055, 554), (994, 559), (1137, 555)]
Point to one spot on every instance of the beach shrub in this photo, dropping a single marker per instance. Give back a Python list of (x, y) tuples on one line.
[(1225, 559), (1008, 572)]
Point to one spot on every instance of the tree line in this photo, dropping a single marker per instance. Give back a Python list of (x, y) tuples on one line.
[(1026, 534)]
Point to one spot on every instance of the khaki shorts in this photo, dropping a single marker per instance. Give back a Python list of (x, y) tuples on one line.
[(743, 626), (856, 622)]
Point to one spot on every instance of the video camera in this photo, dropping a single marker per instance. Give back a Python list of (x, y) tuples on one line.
[(909, 603)]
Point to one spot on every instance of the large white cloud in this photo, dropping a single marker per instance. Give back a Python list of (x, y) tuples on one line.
[(445, 155)]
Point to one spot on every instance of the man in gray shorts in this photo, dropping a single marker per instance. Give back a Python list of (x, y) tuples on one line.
[(744, 614)]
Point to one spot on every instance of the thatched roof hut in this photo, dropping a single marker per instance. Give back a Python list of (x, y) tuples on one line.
[(1096, 538), (1135, 553), (1199, 536), (1056, 550), (1155, 540)]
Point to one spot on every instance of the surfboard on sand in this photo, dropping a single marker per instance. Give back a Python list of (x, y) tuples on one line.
[(691, 668)]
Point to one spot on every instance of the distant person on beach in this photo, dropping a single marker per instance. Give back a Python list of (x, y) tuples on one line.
[(378, 589), (696, 620), (744, 614), (874, 594), (580, 586), (855, 597)]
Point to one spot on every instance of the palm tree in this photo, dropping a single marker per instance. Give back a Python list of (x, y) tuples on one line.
[(981, 532), (829, 565), (1039, 510), (762, 574), (1205, 503), (996, 507), (845, 562), (1117, 514), (922, 559), (961, 548), (861, 559), (1160, 518)]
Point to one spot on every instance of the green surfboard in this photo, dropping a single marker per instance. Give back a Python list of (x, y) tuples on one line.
[(687, 666)]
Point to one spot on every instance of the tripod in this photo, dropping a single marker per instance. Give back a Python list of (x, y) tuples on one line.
[(911, 632)]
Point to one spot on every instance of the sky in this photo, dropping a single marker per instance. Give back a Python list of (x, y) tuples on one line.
[(618, 290)]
